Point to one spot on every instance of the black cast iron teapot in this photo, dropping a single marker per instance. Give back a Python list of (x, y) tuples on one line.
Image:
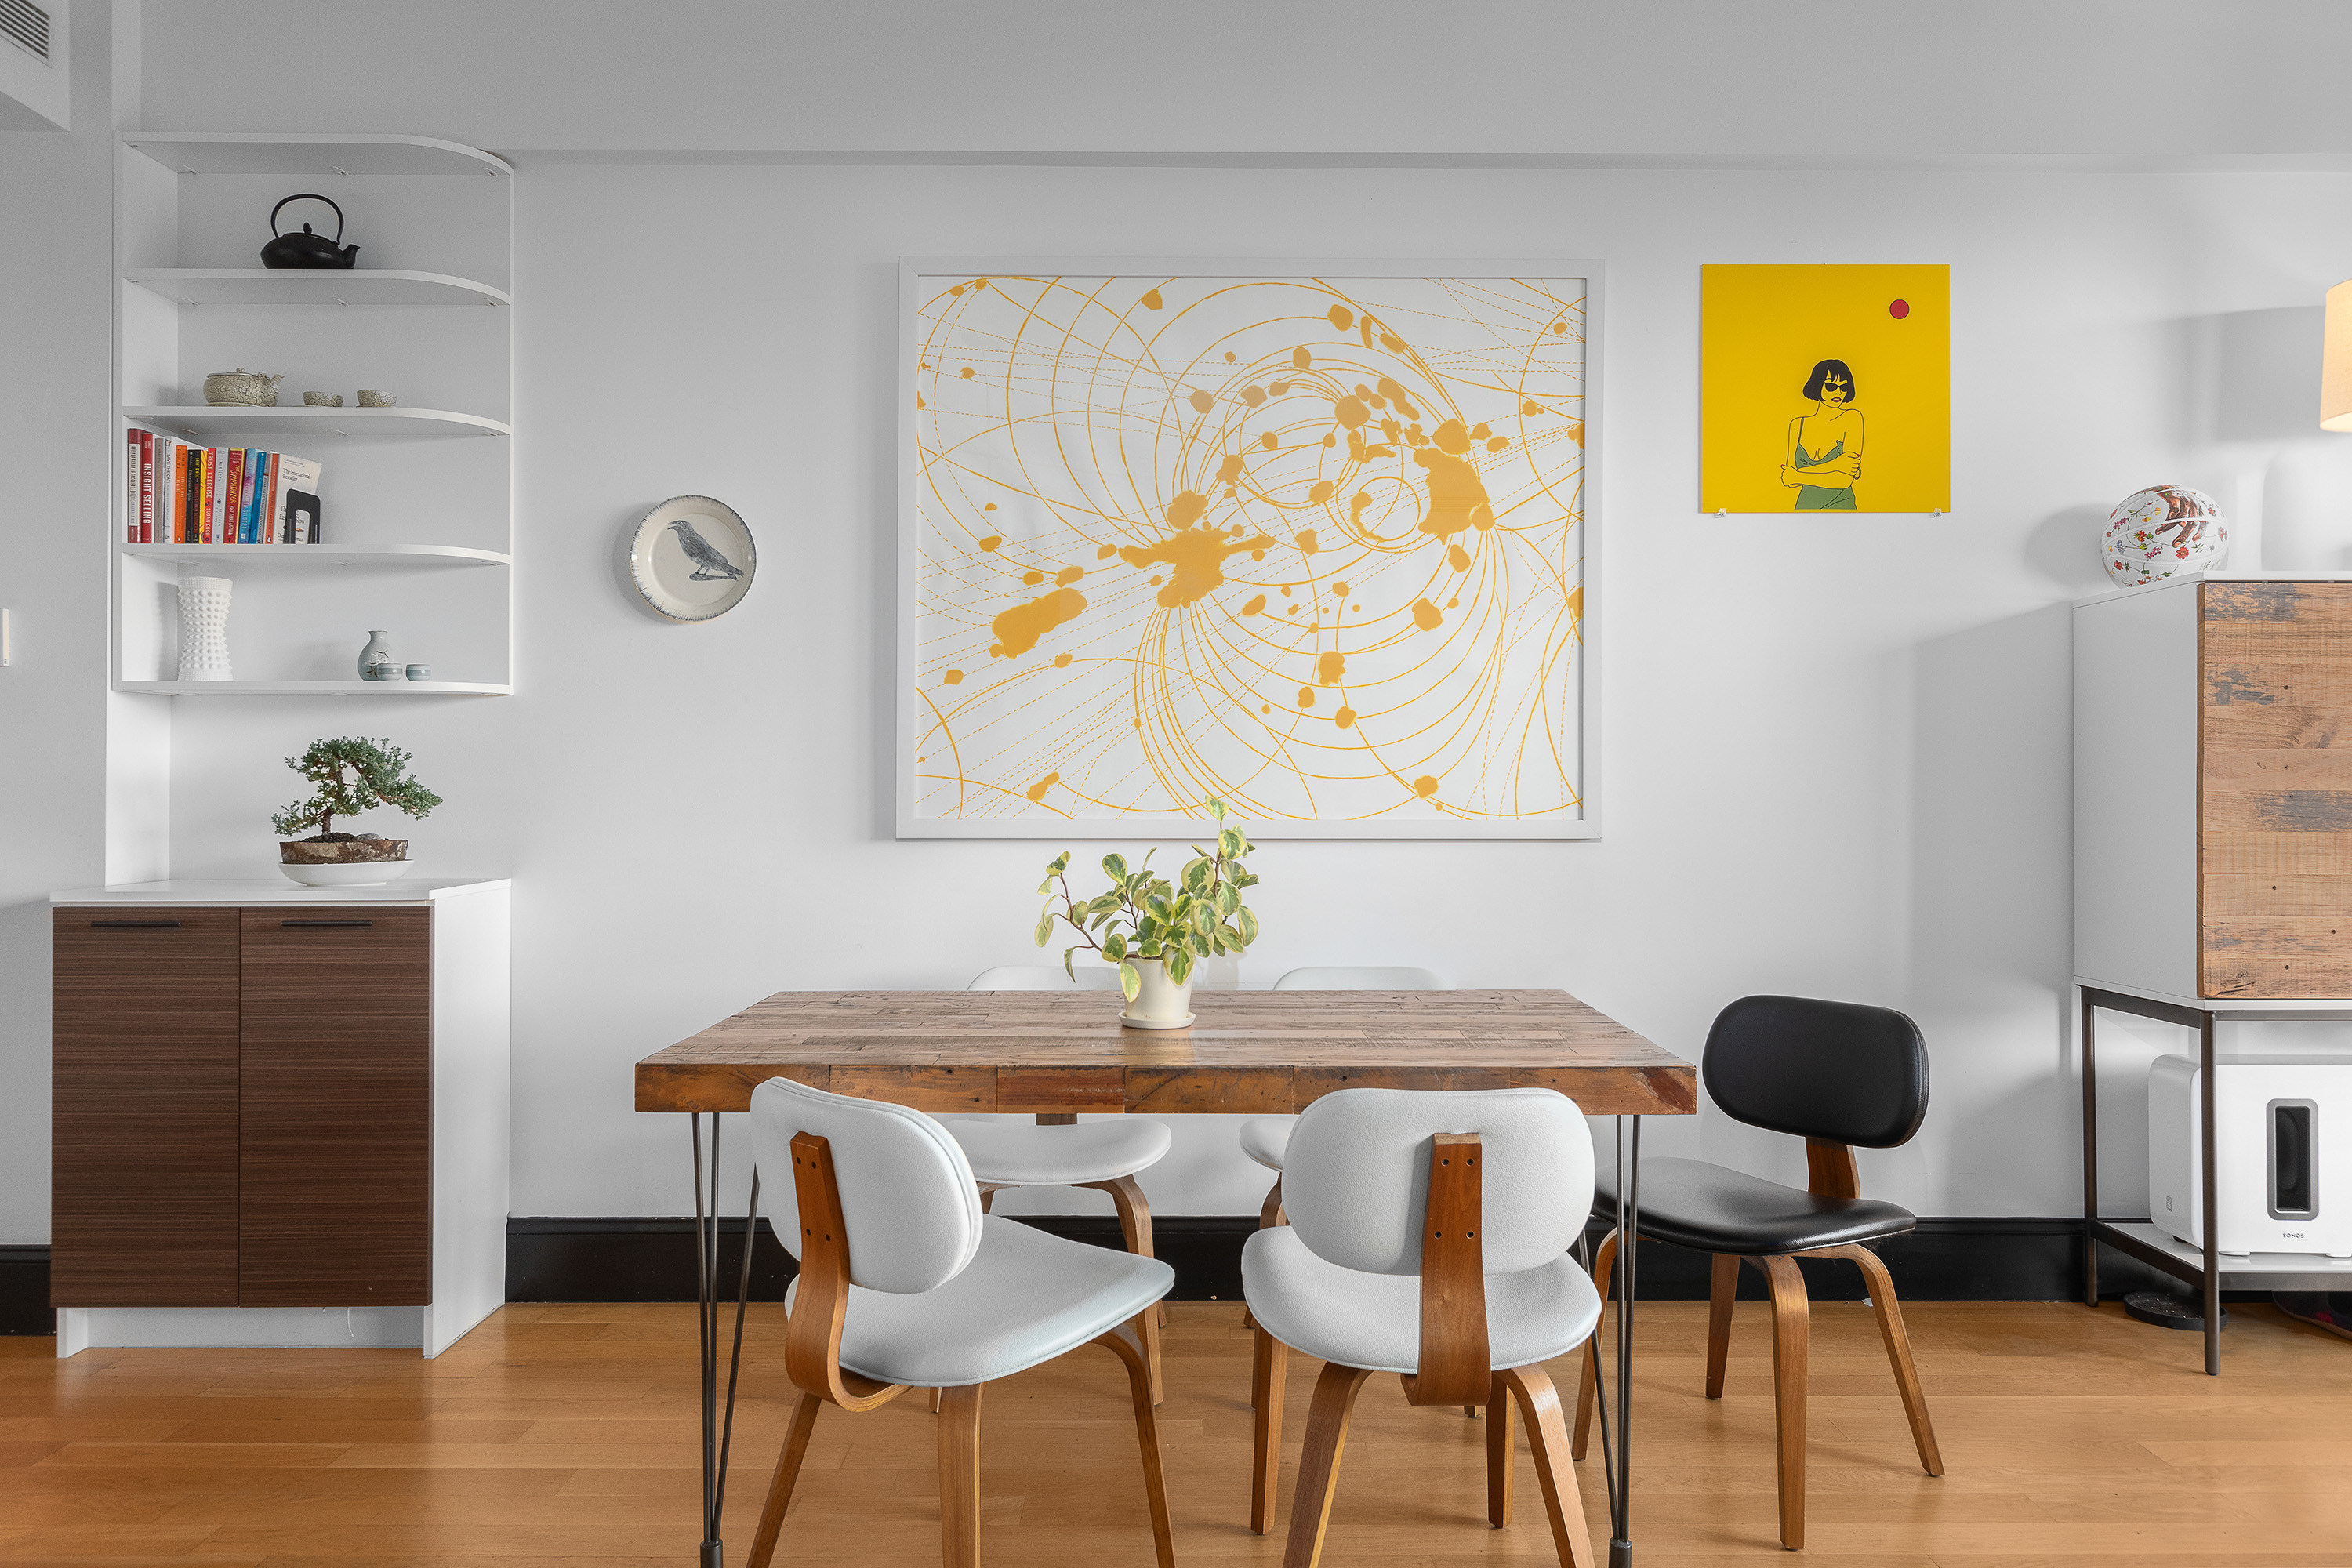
[(315, 252)]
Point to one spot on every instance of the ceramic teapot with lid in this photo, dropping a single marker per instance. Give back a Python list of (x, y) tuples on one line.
[(305, 250)]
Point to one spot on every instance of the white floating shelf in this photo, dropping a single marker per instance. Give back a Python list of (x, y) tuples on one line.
[(317, 688), (358, 289), (293, 155), (376, 423), (320, 554)]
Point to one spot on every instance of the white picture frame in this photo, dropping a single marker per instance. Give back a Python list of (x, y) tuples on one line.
[(923, 277)]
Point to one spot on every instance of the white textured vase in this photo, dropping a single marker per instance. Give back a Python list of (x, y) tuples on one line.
[(1159, 1002), (204, 628)]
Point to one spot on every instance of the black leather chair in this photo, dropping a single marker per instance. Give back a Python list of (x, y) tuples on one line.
[(1836, 1075)]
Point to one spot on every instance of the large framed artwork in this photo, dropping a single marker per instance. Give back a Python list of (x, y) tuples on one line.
[(1314, 537)]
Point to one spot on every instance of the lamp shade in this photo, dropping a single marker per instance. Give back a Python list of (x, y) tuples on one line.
[(2335, 363)]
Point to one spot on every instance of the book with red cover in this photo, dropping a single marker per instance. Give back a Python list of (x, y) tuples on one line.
[(146, 487), (216, 480)]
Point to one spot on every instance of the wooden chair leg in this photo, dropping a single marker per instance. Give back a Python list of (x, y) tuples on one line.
[(1318, 1465), (1130, 1351), (788, 1473), (1269, 1362), (1498, 1455), (1135, 1226), (1269, 1213), (1791, 1340), (959, 1477), (1722, 1292), (1898, 1353), (935, 1401), (1547, 1437), (1587, 1382)]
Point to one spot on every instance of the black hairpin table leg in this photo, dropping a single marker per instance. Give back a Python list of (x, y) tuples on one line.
[(1618, 1467), (718, 1428)]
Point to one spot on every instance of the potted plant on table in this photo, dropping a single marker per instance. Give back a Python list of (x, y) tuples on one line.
[(352, 775), (1155, 930)]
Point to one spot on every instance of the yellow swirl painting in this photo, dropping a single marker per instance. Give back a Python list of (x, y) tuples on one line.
[(1314, 546)]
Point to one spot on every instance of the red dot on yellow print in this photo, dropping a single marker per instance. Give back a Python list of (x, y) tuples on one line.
[(1899, 309)]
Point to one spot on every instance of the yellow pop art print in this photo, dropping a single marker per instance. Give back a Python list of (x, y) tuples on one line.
[(1312, 546), (1825, 388)]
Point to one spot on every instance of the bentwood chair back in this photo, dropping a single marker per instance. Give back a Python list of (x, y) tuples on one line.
[(1429, 1238), (905, 1283), (1056, 1150), (1046, 977), (1839, 1075)]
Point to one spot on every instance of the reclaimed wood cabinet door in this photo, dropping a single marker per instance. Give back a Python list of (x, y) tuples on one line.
[(144, 1108), (336, 1093), (2275, 790)]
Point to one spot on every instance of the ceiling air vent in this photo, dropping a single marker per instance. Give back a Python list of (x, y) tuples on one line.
[(26, 25)]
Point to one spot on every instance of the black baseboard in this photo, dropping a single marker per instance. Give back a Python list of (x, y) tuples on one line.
[(25, 1292), (555, 1259), (1957, 1260)]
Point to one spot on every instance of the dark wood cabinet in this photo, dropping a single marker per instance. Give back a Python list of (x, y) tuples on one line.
[(335, 1091), (268, 1101), (144, 1108)]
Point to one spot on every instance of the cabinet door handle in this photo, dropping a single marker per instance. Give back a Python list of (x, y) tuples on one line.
[(134, 925), (312, 925)]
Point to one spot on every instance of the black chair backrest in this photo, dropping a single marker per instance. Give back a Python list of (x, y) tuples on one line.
[(1834, 1070)]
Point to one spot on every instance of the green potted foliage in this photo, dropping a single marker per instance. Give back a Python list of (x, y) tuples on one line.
[(351, 775), (1155, 930)]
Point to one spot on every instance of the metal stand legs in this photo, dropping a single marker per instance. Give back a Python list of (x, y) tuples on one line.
[(1617, 1460), (718, 1430)]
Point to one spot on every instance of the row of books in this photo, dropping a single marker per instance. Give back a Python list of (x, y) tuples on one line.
[(179, 494)]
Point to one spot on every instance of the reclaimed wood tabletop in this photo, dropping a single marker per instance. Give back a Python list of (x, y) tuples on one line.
[(1249, 1052)]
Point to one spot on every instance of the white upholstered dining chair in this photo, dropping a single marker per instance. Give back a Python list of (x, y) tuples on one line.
[(1263, 1138), (905, 1283), (1058, 1150), (1428, 1237)]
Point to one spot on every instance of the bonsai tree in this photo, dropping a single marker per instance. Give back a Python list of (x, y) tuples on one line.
[(1144, 916), (377, 776)]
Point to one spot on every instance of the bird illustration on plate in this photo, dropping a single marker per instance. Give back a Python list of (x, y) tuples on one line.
[(710, 565)]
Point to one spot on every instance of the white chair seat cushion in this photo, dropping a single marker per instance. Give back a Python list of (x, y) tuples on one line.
[(1373, 1321), (1267, 1139), (1026, 1298), (1023, 1155)]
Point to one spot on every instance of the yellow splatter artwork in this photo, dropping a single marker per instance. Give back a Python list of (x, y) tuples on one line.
[(1314, 546)]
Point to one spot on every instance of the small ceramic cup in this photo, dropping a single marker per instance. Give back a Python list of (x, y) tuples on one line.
[(420, 672), (323, 399), (370, 398)]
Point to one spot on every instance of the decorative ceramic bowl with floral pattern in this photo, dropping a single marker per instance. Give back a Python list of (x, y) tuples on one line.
[(2164, 531)]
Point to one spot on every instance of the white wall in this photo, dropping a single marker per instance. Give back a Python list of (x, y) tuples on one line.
[(55, 318), (1837, 747)]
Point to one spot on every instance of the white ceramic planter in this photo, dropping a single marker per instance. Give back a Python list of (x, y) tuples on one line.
[(1160, 1003)]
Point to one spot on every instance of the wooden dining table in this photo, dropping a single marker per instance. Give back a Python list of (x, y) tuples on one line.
[(1059, 1054)]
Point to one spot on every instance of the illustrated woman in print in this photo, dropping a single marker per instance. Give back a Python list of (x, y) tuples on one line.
[(1824, 453)]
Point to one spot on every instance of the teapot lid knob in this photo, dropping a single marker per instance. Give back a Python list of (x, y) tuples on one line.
[(306, 228)]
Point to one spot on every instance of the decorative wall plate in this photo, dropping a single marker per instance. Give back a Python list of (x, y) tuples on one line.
[(692, 558)]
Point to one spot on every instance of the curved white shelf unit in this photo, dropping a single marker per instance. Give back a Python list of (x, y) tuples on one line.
[(321, 554), (358, 289), (317, 688), (294, 154), (378, 424)]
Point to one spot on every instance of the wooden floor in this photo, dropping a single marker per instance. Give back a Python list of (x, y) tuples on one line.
[(564, 1434)]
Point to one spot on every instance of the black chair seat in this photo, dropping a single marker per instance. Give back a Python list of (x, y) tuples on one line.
[(1714, 1209)]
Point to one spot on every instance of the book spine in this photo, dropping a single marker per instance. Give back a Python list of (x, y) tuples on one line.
[(146, 488), (270, 528), (196, 491), (233, 495), (216, 484), (181, 453), (174, 478), (247, 533), (130, 488)]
